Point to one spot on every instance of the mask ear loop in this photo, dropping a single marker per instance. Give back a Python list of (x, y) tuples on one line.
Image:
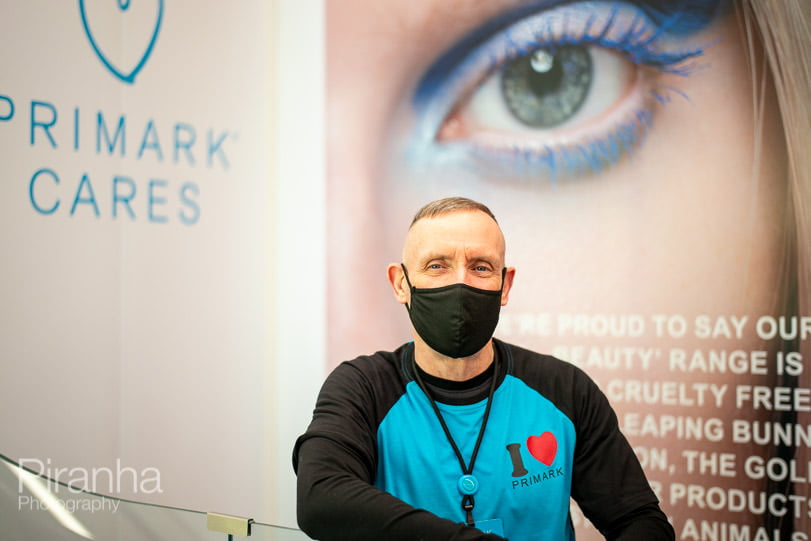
[(410, 287), (405, 272)]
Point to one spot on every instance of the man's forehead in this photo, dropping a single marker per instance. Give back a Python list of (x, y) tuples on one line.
[(443, 235)]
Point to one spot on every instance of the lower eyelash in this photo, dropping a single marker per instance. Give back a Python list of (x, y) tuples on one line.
[(568, 161), (665, 99)]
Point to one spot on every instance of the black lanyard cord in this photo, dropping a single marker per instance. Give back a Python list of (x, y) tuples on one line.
[(467, 498)]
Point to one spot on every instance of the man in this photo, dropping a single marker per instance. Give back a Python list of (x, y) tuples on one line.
[(459, 436)]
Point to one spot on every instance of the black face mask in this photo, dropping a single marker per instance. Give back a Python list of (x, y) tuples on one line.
[(455, 320)]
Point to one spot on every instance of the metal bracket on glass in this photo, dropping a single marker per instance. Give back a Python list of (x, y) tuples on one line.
[(229, 524)]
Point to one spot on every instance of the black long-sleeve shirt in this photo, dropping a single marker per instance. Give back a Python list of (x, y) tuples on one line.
[(375, 463)]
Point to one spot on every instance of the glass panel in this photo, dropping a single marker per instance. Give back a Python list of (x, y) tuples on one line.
[(266, 532), (37, 508)]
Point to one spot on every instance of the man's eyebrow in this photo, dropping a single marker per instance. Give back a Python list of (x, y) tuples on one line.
[(433, 256), (439, 256), (682, 18)]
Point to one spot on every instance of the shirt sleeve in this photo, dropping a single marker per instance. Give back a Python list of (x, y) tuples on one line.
[(335, 461), (608, 482)]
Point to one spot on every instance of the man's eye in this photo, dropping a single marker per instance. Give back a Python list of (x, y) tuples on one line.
[(559, 93)]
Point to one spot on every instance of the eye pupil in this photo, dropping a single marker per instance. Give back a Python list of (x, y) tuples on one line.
[(547, 87), (547, 81)]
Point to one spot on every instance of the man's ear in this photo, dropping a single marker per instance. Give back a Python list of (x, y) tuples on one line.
[(509, 275), (398, 283)]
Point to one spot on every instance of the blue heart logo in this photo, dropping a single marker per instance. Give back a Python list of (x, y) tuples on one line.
[(125, 70)]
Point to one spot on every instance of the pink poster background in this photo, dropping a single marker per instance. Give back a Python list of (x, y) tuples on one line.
[(658, 224)]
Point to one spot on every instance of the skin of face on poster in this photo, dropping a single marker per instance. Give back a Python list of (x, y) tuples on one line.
[(638, 158)]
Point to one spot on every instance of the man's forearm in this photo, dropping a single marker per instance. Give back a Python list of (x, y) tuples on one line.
[(336, 505), (648, 523)]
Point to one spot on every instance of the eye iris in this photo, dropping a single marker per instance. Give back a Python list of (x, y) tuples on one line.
[(547, 87)]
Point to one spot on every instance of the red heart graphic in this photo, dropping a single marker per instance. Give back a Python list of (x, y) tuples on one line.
[(543, 447)]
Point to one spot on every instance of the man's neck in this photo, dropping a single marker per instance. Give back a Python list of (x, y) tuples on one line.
[(449, 368)]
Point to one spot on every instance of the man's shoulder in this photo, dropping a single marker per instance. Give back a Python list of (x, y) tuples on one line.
[(377, 362), (557, 380), (369, 383), (527, 361), (381, 371)]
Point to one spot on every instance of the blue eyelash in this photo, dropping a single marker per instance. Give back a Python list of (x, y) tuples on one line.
[(591, 158), (637, 49), (675, 18), (632, 44), (638, 43), (605, 152)]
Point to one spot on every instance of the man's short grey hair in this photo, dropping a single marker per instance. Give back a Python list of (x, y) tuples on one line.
[(450, 204)]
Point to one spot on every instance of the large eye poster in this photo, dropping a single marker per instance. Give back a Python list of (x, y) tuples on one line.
[(644, 162)]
